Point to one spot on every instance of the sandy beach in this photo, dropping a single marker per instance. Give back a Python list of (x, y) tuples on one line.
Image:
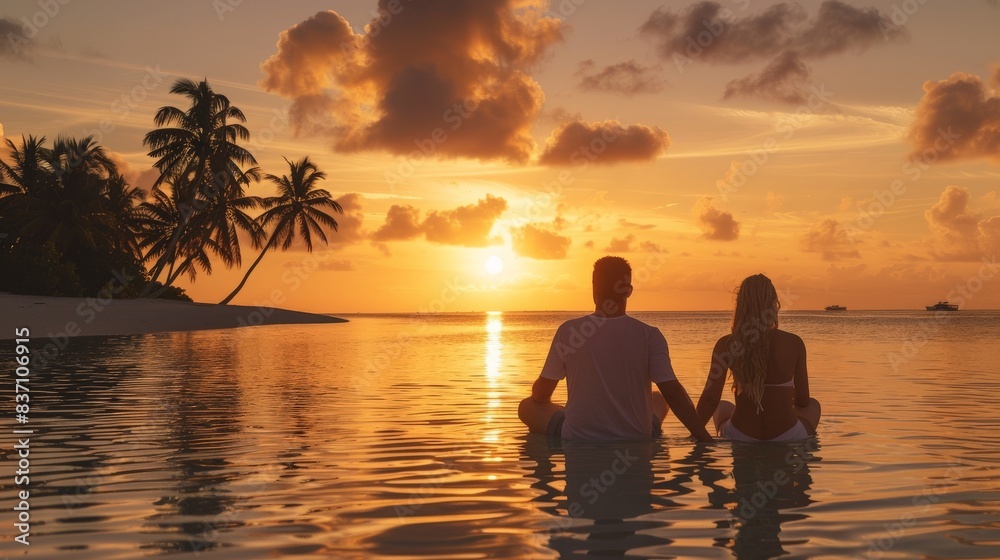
[(59, 317)]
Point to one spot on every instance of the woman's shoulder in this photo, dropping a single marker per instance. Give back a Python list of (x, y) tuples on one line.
[(788, 338), (723, 341)]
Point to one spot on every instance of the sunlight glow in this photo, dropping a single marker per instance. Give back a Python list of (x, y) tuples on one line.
[(493, 265)]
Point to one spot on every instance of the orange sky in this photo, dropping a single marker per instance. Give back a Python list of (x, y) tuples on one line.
[(835, 148)]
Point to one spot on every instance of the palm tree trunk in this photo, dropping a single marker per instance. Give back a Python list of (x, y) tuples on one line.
[(253, 266), (173, 276), (170, 253), (170, 272)]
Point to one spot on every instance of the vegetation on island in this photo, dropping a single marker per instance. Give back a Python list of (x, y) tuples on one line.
[(71, 225)]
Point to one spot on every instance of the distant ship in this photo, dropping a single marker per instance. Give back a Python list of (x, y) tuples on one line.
[(942, 306), (836, 308)]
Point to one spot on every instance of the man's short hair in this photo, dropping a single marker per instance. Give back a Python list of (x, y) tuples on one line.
[(612, 276)]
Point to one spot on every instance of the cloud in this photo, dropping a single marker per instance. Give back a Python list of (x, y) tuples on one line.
[(627, 224), (712, 33), (143, 179), (622, 245), (783, 33), (959, 233), (401, 223), (449, 78), (650, 247), (958, 118), (13, 44), (831, 240), (467, 226), (784, 80), (558, 116), (626, 78), (603, 143), (626, 245), (351, 223), (538, 243), (338, 265), (716, 224), (989, 236)]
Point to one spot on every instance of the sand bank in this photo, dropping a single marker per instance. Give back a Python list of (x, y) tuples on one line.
[(52, 316)]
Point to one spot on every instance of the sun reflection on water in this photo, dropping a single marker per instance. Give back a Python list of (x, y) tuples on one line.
[(494, 346), (494, 360)]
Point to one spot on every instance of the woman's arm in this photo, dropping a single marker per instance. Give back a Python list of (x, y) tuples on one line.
[(801, 376), (722, 358)]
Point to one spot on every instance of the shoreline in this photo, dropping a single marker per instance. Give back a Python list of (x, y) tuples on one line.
[(53, 317)]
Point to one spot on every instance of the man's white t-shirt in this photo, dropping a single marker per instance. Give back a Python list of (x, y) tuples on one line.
[(608, 364)]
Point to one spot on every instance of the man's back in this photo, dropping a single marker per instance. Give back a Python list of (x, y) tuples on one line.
[(608, 363)]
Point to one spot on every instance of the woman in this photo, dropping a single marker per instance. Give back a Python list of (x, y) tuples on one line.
[(769, 374)]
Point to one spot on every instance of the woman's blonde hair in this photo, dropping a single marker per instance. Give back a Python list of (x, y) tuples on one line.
[(754, 321)]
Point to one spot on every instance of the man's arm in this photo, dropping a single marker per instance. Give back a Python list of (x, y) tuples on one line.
[(681, 405), (542, 389)]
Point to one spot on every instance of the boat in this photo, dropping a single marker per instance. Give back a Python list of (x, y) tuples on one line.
[(836, 308), (942, 306)]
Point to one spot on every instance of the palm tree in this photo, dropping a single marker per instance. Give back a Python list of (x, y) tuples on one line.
[(28, 172), (298, 207), (198, 156), (122, 207), (70, 214), (58, 195)]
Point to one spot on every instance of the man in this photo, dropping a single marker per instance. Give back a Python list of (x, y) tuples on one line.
[(608, 360)]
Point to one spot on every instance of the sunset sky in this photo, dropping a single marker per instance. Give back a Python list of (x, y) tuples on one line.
[(850, 151)]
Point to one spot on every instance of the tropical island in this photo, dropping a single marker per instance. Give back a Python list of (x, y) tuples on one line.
[(71, 226)]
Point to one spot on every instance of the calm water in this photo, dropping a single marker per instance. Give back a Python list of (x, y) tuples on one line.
[(391, 437)]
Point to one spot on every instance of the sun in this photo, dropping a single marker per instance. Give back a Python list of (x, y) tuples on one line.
[(493, 265)]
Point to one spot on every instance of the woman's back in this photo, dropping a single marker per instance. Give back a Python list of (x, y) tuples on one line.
[(785, 370), (769, 375)]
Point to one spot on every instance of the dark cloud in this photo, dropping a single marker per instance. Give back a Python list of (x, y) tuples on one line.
[(840, 27), (448, 77), (958, 118), (627, 78), (831, 240), (709, 32), (537, 242), (712, 33), (784, 80), (714, 223), (13, 44), (603, 143)]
